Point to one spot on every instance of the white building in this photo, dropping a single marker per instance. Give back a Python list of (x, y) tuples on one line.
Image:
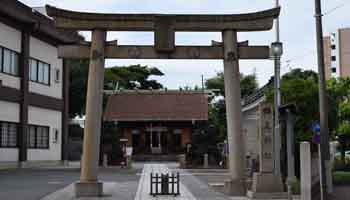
[(33, 86)]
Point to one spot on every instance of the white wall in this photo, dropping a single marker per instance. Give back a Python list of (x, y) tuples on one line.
[(49, 54), (9, 112), (11, 39), (51, 118), (250, 127), (8, 154)]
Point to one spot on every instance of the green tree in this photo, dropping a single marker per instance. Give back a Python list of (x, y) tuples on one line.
[(127, 77), (79, 70), (130, 77), (339, 92), (248, 84), (217, 108), (300, 88)]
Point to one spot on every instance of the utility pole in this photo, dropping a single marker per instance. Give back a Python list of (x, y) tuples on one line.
[(324, 132), (277, 102)]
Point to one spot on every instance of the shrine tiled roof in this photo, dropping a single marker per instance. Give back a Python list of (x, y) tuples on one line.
[(157, 106)]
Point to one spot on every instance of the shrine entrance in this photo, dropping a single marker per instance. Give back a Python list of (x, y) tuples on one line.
[(164, 27)]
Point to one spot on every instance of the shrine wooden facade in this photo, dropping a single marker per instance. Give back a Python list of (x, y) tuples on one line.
[(157, 122)]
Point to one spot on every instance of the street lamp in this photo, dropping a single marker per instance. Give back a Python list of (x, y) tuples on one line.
[(276, 50)]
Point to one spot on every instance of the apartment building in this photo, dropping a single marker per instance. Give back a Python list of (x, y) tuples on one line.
[(337, 53), (33, 86)]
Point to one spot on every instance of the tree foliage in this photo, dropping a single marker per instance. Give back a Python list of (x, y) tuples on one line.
[(133, 76), (126, 77), (300, 88), (79, 70), (339, 91), (217, 108), (248, 84)]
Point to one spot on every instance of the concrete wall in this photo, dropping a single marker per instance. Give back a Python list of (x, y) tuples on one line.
[(49, 54), (250, 130), (327, 56), (11, 39), (44, 117), (9, 112)]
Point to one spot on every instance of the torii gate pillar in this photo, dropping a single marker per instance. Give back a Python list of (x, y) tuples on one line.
[(88, 184), (235, 185)]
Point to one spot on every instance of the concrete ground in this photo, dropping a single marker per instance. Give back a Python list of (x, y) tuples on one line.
[(34, 184), (341, 192)]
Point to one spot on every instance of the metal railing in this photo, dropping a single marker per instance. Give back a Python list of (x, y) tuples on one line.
[(165, 184)]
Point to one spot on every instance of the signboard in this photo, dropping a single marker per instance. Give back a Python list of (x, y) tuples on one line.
[(316, 129), (128, 151)]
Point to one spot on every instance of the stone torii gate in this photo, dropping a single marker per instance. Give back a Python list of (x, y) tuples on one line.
[(164, 27)]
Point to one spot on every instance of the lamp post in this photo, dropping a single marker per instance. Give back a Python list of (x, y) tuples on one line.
[(276, 53)]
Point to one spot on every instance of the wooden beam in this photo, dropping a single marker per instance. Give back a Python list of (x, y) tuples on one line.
[(149, 52), (258, 21)]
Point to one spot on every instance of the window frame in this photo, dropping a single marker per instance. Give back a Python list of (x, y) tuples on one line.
[(44, 64), (12, 53), (36, 146), (8, 146)]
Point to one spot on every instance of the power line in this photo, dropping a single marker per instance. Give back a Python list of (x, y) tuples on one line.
[(313, 52), (334, 9)]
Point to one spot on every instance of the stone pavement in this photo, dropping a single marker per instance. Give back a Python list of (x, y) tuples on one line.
[(143, 191), (121, 184)]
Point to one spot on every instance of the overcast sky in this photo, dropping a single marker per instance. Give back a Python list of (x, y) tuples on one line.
[(297, 33)]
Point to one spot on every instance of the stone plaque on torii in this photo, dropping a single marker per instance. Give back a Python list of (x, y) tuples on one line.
[(164, 27)]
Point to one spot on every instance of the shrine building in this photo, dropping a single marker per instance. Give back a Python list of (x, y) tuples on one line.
[(157, 122)]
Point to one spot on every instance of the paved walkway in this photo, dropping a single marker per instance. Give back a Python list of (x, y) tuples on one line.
[(143, 191)]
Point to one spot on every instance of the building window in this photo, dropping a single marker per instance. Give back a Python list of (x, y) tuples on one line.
[(9, 61), (39, 71), (333, 47), (334, 58), (38, 137), (334, 70), (8, 134)]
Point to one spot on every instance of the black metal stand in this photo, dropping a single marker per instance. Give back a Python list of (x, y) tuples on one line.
[(161, 184)]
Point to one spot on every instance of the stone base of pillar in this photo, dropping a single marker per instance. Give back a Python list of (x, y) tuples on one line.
[(206, 161), (22, 164), (275, 195), (182, 161), (267, 184), (234, 188), (88, 189), (65, 163), (128, 162)]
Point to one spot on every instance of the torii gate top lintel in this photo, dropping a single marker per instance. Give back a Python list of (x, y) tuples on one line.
[(258, 21), (164, 27)]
